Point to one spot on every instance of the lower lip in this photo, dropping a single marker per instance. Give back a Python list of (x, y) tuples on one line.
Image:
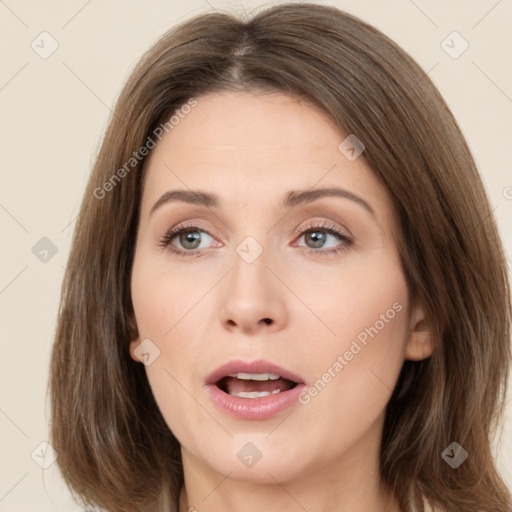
[(262, 408)]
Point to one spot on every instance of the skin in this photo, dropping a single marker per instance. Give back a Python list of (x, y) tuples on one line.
[(250, 150)]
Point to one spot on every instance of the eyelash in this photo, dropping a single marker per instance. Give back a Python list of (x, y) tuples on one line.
[(166, 240)]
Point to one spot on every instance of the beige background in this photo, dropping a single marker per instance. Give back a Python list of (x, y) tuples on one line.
[(53, 113)]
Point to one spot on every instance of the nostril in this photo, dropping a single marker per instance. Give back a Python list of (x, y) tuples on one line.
[(268, 321)]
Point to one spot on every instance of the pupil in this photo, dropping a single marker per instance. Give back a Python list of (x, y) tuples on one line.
[(190, 237), (319, 236)]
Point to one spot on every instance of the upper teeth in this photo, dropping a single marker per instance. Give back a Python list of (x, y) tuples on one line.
[(255, 376), (254, 394)]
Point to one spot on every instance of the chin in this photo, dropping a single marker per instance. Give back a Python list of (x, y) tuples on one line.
[(256, 460)]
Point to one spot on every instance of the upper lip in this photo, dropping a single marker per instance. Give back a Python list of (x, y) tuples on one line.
[(258, 366)]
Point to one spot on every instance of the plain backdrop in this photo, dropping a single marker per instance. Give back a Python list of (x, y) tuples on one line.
[(53, 112)]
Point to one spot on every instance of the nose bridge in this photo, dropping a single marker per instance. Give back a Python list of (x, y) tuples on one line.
[(250, 272), (253, 295)]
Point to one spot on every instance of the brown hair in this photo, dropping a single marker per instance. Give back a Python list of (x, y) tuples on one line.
[(115, 450)]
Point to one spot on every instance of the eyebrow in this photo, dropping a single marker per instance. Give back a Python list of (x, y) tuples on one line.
[(292, 198)]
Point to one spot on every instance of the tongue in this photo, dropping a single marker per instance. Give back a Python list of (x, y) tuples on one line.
[(234, 385)]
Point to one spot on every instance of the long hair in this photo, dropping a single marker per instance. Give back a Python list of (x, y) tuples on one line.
[(115, 449)]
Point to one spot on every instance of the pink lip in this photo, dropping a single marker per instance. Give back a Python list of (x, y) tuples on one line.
[(259, 366), (253, 408)]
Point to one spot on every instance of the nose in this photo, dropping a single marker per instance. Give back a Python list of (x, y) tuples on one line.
[(254, 298)]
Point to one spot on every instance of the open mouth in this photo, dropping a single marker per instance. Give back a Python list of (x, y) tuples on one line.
[(254, 385), (253, 390)]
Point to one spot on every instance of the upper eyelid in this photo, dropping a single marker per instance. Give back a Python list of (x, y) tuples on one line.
[(326, 225), (310, 224)]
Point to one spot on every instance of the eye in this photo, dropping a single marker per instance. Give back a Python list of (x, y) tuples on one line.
[(325, 237), (189, 237), (320, 238)]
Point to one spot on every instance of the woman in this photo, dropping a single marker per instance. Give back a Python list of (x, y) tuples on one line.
[(286, 289)]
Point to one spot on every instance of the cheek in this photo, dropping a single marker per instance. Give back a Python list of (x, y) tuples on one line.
[(373, 310), (162, 297), (170, 311), (357, 370), (365, 300)]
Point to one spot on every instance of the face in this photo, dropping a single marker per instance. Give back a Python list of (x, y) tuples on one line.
[(275, 319)]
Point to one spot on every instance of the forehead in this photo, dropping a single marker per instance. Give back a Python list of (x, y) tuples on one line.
[(261, 115), (255, 147)]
